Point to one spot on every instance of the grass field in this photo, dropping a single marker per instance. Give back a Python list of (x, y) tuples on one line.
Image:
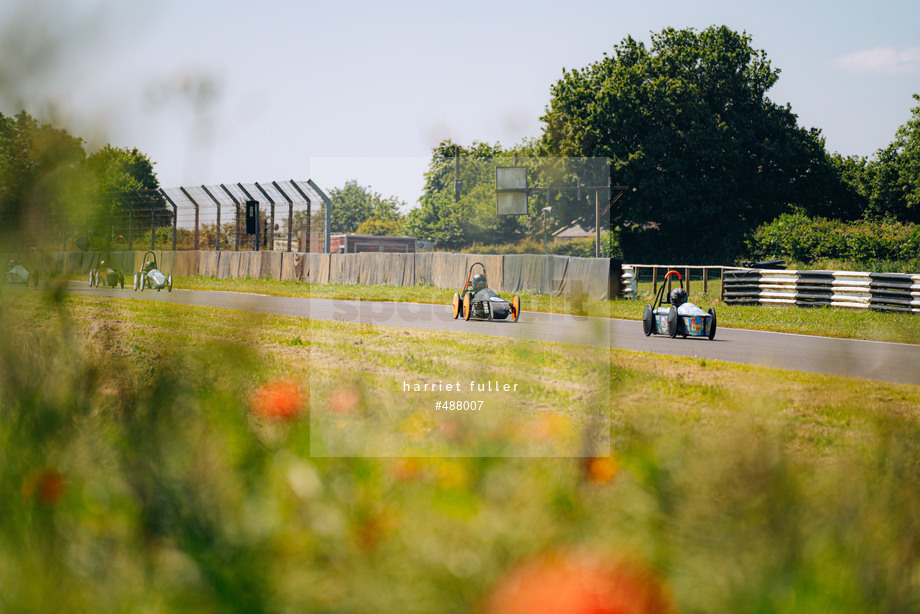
[(165, 458)]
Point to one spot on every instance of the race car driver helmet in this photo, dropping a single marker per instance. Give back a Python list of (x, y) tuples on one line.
[(479, 282), (149, 266), (678, 297)]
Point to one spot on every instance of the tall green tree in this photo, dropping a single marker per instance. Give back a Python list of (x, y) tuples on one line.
[(119, 169), (457, 206), (887, 185), (41, 177), (127, 202), (687, 124), (353, 205), (908, 147), (893, 176)]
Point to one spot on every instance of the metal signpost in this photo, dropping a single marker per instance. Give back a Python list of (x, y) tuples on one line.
[(511, 194), (252, 220)]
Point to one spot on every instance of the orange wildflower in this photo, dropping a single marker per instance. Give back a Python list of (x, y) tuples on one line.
[(578, 583), (47, 486), (407, 469), (601, 469), (276, 400), (345, 400)]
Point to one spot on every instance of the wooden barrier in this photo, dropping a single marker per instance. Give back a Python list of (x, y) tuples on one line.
[(563, 275), (847, 289)]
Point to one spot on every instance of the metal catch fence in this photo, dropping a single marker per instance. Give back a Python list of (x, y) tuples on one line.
[(292, 217)]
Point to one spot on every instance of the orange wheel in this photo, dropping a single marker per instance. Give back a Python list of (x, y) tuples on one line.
[(515, 308), (455, 305), (467, 306)]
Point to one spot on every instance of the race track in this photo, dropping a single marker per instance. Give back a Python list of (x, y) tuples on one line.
[(889, 362)]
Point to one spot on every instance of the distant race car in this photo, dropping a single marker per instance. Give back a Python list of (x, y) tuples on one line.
[(150, 276), (17, 273), (104, 273), (679, 317), (477, 300)]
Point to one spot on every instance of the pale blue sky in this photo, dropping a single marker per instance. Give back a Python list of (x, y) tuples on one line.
[(354, 89)]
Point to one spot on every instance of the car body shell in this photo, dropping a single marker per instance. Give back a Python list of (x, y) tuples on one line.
[(488, 304), (693, 320)]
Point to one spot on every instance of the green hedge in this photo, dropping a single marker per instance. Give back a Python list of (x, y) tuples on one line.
[(803, 239), (579, 248)]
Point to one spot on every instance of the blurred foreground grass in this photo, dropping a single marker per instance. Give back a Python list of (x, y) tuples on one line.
[(157, 458)]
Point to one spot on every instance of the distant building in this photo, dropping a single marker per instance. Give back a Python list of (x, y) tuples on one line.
[(357, 244), (299, 242), (574, 231)]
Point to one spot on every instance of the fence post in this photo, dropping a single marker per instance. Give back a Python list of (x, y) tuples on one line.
[(705, 286), (236, 225)]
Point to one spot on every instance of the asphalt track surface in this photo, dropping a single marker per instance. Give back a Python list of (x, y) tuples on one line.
[(897, 363)]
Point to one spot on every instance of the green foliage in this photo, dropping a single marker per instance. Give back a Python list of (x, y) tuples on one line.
[(380, 227), (887, 185), (805, 239), (49, 187), (118, 169), (687, 125), (452, 212), (890, 182), (579, 248), (457, 213), (907, 147), (41, 177), (353, 205)]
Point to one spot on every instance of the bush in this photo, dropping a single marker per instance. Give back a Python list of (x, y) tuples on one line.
[(579, 248), (803, 239)]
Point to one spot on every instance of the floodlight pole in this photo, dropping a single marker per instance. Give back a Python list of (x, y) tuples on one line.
[(621, 189), (597, 223), (456, 173)]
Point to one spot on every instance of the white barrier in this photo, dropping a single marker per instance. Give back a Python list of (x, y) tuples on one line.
[(847, 289), (629, 284)]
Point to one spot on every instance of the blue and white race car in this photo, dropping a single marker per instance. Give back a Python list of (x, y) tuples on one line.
[(673, 315)]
